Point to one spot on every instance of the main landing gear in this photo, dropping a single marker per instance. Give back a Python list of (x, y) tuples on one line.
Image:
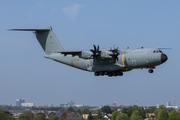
[(110, 74)]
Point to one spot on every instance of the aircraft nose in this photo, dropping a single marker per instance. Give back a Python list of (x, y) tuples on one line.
[(163, 58)]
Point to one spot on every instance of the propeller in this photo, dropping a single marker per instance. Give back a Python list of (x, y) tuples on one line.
[(114, 54), (95, 52)]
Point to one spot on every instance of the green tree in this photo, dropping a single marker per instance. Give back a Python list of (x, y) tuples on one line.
[(10, 118), (124, 110), (114, 115), (173, 118), (150, 110), (135, 107), (78, 111), (90, 117), (156, 113), (136, 117), (142, 112), (162, 107), (173, 114), (39, 116), (122, 116), (129, 111), (70, 109), (163, 114), (136, 112), (85, 111), (24, 117), (93, 111), (99, 115), (147, 115), (4, 115), (55, 118), (29, 113), (62, 118), (106, 109)]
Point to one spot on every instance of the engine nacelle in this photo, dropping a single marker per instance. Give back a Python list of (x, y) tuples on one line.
[(86, 54), (105, 54)]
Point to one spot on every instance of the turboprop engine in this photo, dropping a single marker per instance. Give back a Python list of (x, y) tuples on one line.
[(106, 54), (96, 53), (86, 54)]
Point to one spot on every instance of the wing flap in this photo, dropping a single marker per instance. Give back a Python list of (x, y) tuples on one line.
[(73, 53)]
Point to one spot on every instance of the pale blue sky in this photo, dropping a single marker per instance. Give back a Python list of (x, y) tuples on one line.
[(78, 24)]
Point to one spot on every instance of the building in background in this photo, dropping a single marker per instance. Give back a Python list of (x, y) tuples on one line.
[(27, 104), (168, 103), (63, 105), (78, 105), (2, 104), (46, 105), (171, 106), (19, 102), (71, 103)]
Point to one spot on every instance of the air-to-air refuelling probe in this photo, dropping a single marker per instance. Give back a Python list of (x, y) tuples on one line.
[(111, 62)]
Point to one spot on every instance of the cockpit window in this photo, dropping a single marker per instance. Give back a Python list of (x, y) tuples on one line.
[(157, 51), (160, 51)]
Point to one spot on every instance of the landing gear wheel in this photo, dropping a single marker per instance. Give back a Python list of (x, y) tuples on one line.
[(114, 74), (121, 74), (150, 70), (101, 73), (110, 74), (96, 73)]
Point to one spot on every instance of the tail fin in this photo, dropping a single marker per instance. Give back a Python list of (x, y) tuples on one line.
[(46, 38)]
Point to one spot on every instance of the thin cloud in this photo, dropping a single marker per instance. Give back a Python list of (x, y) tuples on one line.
[(72, 11)]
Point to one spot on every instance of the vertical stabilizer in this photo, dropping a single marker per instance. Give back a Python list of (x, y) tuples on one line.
[(46, 38)]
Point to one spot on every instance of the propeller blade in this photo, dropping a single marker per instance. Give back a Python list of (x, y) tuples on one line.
[(117, 58), (94, 48), (92, 51), (95, 52), (98, 48)]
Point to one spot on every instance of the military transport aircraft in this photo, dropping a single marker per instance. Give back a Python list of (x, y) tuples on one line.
[(111, 62)]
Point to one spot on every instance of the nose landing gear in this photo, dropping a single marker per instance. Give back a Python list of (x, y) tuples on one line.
[(150, 70)]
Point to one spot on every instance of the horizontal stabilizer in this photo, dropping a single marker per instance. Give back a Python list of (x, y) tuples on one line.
[(29, 29)]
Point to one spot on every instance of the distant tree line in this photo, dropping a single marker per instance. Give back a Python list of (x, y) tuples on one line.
[(138, 113), (127, 113)]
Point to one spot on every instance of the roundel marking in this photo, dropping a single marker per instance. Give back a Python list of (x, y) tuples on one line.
[(75, 59)]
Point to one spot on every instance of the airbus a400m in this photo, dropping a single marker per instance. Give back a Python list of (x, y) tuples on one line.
[(111, 62)]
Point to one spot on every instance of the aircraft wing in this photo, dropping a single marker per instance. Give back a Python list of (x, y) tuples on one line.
[(73, 53)]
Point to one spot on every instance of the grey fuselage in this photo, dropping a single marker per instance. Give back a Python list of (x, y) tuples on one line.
[(127, 60)]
